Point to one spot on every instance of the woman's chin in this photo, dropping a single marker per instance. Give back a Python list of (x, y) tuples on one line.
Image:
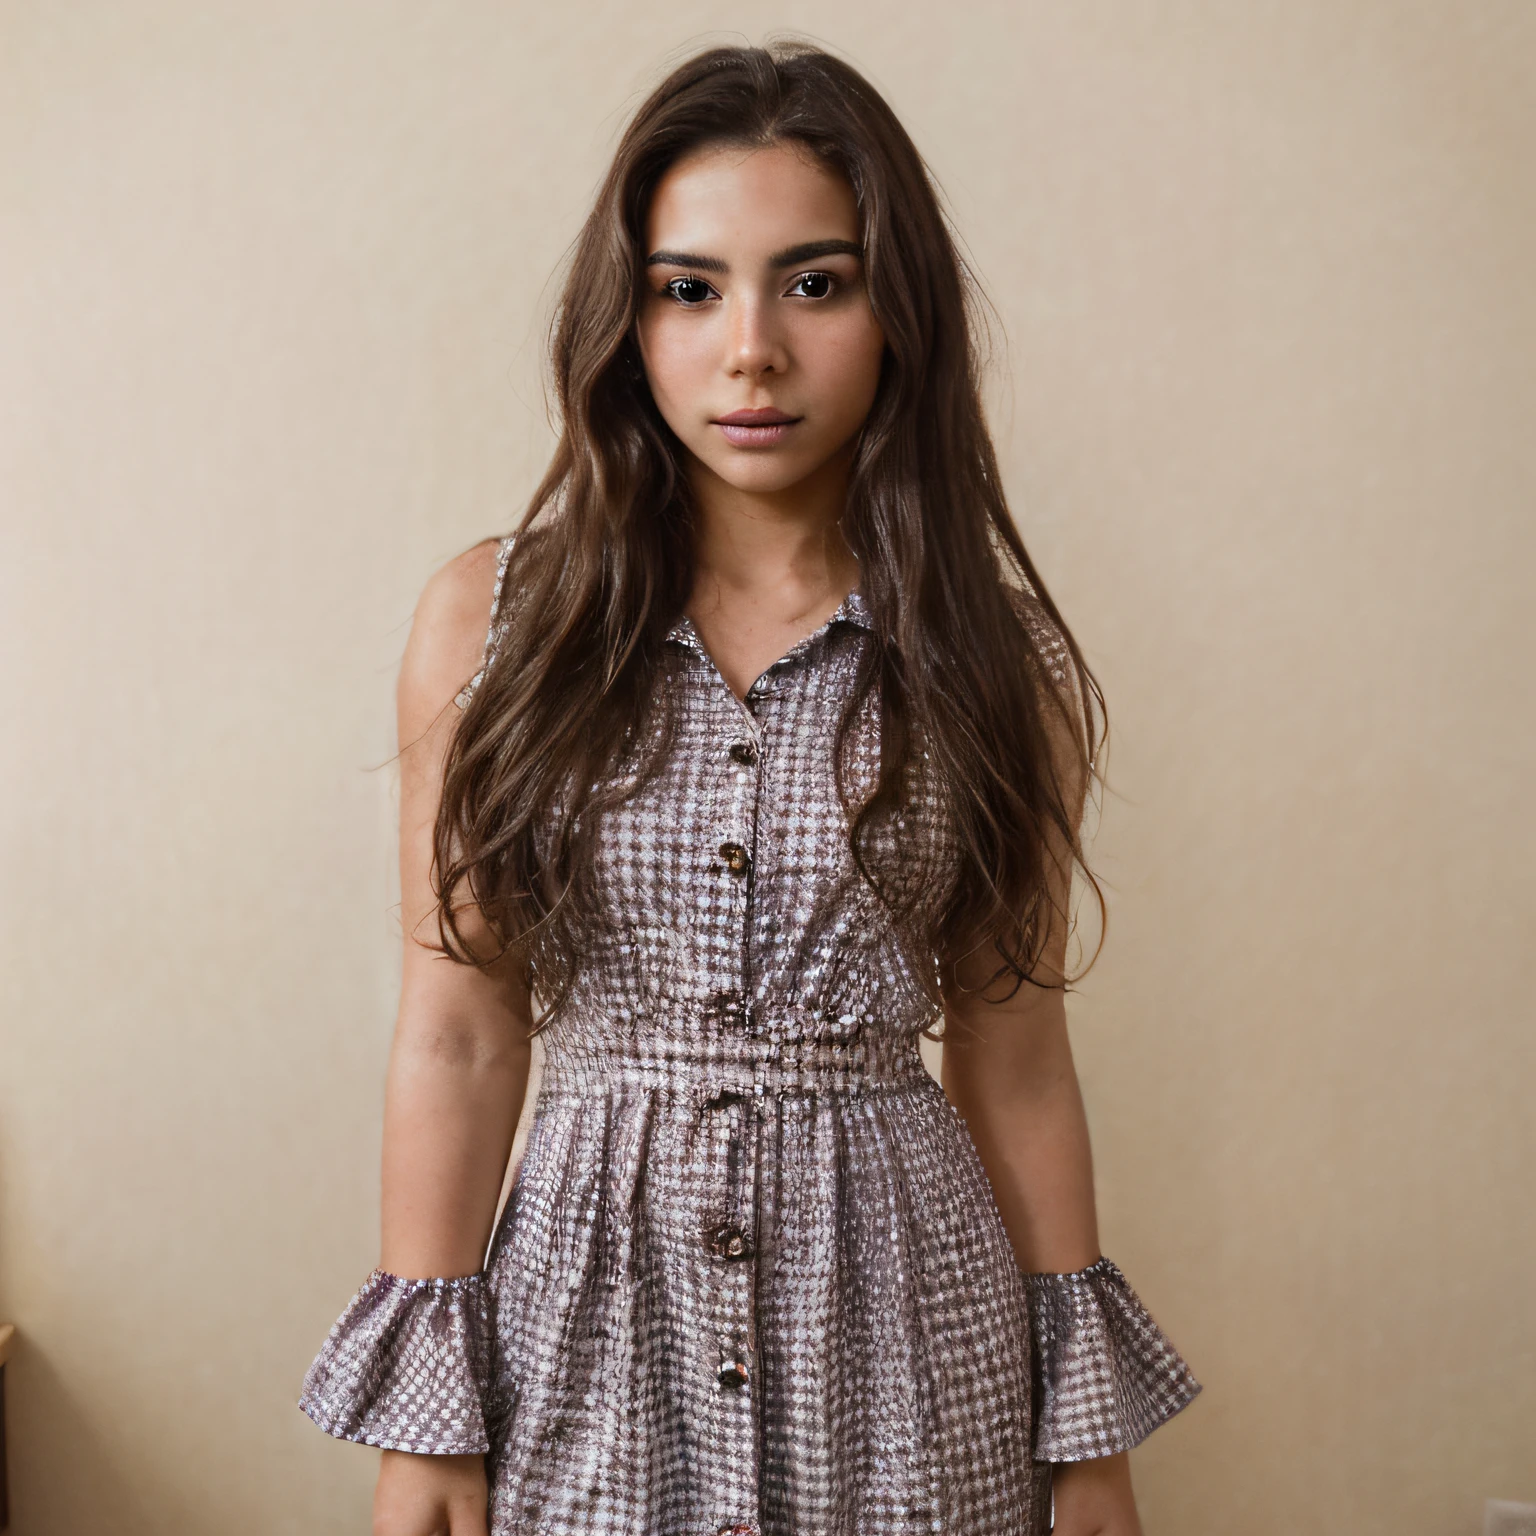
[(761, 472)]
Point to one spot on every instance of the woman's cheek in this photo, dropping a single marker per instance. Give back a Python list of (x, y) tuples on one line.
[(858, 375)]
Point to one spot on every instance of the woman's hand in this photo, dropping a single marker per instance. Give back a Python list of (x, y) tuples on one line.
[(419, 1495), (1094, 1498)]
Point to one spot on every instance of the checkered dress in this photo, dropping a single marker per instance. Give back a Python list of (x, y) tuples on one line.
[(751, 1278)]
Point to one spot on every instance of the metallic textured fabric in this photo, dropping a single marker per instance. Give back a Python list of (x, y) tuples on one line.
[(407, 1365), (497, 631), (751, 1277), (1105, 1376)]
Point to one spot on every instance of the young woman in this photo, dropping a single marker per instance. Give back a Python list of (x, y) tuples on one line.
[(774, 760)]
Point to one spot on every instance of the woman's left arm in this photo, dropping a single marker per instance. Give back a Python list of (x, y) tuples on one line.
[(1105, 1375), (1008, 1069)]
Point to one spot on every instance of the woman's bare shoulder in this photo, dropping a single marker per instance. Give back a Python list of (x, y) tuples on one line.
[(448, 631)]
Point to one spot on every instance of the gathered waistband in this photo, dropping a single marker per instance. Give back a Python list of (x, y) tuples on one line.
[(732, 1065)]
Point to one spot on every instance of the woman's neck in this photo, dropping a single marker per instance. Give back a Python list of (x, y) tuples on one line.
[(780, 549)]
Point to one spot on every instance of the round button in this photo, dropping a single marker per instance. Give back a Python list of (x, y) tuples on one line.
[(733, 1373), (730, 1242), (735, 857), (743, 752)]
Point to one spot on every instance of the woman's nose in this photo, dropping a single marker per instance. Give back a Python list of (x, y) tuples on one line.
[(755, 342)]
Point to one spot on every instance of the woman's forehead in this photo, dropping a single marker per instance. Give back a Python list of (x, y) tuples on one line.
[(752, 199)]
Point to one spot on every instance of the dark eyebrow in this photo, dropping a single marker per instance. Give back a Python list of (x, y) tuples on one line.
[(792, 257), (813, 249), (685, 259)]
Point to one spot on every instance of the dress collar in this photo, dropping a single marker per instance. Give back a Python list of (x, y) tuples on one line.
[(852, 610)]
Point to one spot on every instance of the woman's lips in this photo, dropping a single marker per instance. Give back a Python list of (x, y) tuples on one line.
[(744, 435), (755, 437)]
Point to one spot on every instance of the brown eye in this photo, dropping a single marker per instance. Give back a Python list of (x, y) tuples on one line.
[(690, 292), (819, 284)]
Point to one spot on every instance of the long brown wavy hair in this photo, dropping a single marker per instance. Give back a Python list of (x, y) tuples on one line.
[(968, 652)]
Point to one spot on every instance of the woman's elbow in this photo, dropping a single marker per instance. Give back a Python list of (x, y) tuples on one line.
[(459, 1043)]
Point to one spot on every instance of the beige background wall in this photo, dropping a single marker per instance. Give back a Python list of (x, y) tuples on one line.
[(272, 286)]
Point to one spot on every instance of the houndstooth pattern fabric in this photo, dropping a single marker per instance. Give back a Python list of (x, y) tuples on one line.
[(406, 1365), (751, 1279), (1107, 1376), (497, 630)]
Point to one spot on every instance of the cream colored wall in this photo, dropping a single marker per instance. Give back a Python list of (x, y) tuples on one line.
[(272, 282)]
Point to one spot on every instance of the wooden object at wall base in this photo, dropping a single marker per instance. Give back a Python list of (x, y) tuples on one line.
[(7, 1333)]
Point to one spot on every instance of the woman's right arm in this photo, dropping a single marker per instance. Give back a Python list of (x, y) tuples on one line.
[(458, 1067)]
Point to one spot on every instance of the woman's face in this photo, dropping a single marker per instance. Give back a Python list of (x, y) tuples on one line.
[(754, 301)]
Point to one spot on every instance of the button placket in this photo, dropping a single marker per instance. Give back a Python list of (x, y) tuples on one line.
[(741, 739), (733, 1131), (729, 1236)]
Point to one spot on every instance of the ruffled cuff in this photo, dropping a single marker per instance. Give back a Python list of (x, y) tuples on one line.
[(407, 1366), (1105, 1374)]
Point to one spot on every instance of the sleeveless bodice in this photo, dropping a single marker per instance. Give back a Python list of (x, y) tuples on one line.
[(734, 943)]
